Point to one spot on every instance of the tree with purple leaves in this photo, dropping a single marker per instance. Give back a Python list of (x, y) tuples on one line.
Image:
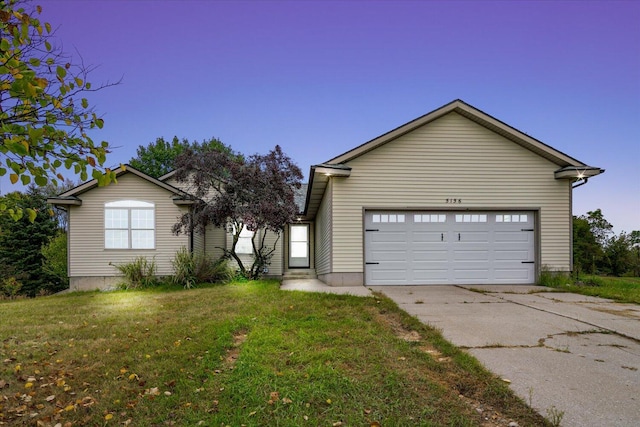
[(237, 193)]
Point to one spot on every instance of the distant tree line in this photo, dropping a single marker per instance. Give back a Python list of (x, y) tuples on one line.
[(597, 250)]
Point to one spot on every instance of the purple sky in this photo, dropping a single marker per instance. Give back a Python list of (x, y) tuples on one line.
[(320, 78)]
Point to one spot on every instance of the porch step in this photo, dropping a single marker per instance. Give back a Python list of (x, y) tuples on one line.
[(302, 273)]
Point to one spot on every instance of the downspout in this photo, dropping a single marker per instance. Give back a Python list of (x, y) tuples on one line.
[(584, 181), (191, 232)]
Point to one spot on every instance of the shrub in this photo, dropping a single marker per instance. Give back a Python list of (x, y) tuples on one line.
[(189, 269), (54, 254), (10, 287), (553, 279), (184, 269), (139, 273)]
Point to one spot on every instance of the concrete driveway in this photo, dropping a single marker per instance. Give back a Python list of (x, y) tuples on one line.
[(563, 353)]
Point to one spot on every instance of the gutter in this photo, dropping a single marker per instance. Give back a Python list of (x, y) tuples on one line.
[(584, 181)]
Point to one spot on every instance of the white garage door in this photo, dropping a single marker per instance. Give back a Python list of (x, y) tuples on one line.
[(421, 248)]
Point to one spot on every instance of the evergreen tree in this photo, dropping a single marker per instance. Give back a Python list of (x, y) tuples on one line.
[(21, 242)]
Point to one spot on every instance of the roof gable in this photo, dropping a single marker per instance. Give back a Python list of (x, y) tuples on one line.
[(68, 197), (473, 114)]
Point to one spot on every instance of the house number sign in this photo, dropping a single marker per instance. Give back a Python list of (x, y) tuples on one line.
[(456, 201)]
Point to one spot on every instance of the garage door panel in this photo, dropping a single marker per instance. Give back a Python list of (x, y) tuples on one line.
[(432, 256), (449, 247), (389, 256), (472, 236), (511, 256), (510, 273), (427, 236), (388, 237), (430, 275), (512, 236), (471, 255), (467, 274)]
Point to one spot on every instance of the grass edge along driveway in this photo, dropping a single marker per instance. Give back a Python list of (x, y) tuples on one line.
[(240, 354)]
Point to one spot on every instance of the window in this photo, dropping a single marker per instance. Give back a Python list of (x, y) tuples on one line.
[(471, 218), (129, 224), (387, 218), (429, 218), (512, 218), (244, 245)]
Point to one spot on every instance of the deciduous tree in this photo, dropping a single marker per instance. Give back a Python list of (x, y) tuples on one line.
[(158, 158), (45, 117), (233, 192)]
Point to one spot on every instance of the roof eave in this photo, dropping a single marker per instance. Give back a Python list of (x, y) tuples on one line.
[(577, 172), (318, 179), (64, 201)]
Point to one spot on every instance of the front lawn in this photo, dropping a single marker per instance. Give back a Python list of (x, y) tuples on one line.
[(621, 289), (241, 354)]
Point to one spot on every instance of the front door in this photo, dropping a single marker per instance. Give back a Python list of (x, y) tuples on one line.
[(299, 246)]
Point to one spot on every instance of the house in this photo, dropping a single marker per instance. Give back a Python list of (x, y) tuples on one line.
[(453, 197)]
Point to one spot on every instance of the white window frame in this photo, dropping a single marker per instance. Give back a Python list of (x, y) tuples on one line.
[(127, 227)]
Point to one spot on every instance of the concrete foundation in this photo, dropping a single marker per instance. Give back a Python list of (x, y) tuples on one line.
[(92, 283), (342, 279)]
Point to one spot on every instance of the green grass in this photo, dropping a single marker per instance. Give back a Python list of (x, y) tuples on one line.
[(241, 354), (622, 289)]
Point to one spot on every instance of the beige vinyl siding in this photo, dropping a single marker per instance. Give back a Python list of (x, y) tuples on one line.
[(215, 238), (198, 243), (323, 241), (451, 157), (187, 187), (87, 255)]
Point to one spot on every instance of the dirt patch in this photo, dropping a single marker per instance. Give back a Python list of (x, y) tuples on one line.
[(234, 351)]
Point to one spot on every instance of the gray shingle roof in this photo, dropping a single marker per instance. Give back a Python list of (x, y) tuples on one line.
[(301, 197)]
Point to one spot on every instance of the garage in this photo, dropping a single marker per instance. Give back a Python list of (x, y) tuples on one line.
[(449, 247)]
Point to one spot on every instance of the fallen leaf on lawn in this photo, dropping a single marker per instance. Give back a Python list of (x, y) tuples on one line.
[(154, 391), (286, 400), (127, 422), (87, 401), (251, 414), (28, 385), (133, 377), (68, 408), (375, 424), (50, 398), (329, 401), (3, 384), (167, 393), (337, 424), (18, 368), (274, 395), (108, 417)]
